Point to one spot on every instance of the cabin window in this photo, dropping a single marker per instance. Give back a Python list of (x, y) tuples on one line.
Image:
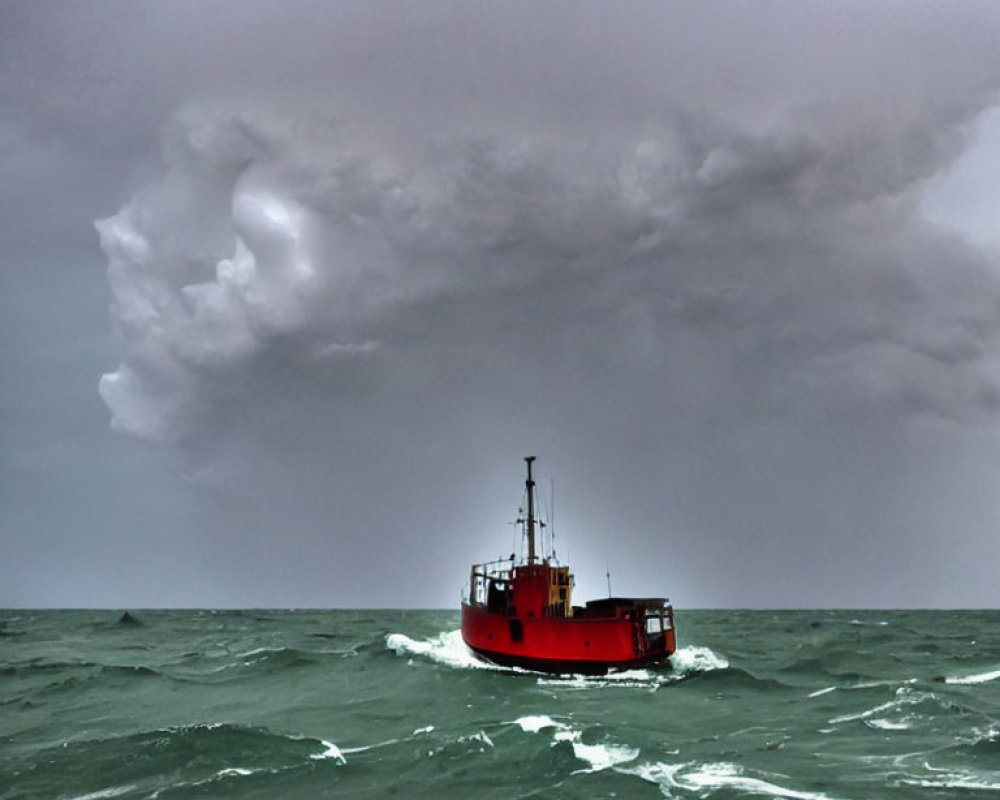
[(654, 626), (516, 630)]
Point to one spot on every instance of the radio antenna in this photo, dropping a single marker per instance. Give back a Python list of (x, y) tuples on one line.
[(552, 517)]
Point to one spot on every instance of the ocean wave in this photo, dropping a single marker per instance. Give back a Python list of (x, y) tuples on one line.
[(446, 648), (282, 657), (331, 751), (982, 677), (212, 740), (44, 666), (536, 722), (247, 664), (598, 755), (908, 708), (965, 779), (111, 791), (986, 744), (35, 666), (979, 743), (148, 763), (859, 685), (626, 679), (695, 659), (702, 778), (51, 680)]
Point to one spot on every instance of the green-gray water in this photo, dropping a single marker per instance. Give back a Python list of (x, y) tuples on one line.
[(309, 704)]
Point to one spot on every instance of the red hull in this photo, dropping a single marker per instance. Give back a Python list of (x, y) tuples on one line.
[(565, 645)]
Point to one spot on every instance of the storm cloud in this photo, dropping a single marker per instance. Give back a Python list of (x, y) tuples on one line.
[(679, 253)]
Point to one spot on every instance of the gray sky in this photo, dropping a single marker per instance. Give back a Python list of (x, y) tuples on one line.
[(730, 270)]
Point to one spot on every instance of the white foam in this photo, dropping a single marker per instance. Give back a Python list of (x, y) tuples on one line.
[(425, 729), (697, 659), (954, 780), (332, 751), (905, 696), (533, 724), (628, 679), (479, 736), (821, 692), (445, 648), (260, 650), (983, 677), (889, 725), (366, 747), (695, 777), (892, 704), (230, 771), (599, 756), (114, 791), (448, 648)]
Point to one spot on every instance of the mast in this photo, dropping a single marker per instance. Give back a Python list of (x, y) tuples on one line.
[(530, 486)]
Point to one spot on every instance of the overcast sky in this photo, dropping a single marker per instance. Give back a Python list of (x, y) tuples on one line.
[(289, 290)]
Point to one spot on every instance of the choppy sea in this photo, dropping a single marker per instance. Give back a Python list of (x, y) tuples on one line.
[(371, 704)]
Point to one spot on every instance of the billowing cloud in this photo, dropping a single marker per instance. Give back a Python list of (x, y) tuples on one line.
[(703, 253), (758, 261)]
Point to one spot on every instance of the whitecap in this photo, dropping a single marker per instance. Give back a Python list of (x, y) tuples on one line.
[(945, 779), (446, 648), (332, 751), (695, 777), (693, 659), (259, 651), (896, 714), (535, 723), (364, 748), (889, 725), (114, 791), (479, 736), (983, 677), (231, 771), (599, 756), (696, 659), (627, 679), (861, 715)]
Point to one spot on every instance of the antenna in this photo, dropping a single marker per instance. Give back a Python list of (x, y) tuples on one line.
[(608, 574), (514, 536), (552, 517)]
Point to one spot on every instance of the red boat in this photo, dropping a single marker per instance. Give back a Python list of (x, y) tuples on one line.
[(520, 613)]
